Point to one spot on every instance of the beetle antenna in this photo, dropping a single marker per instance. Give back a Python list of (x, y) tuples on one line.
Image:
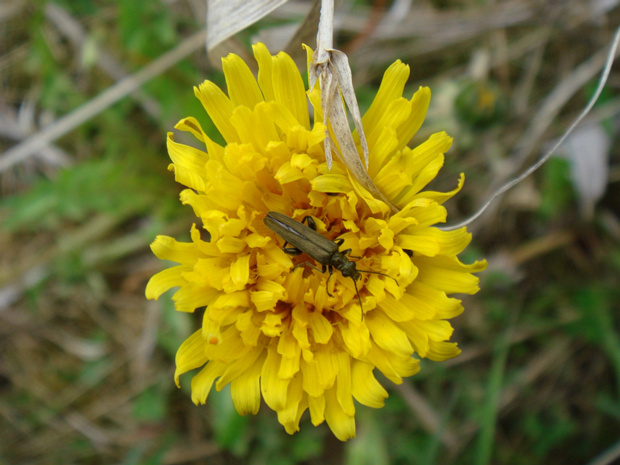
[(378, 272), (359, 298)]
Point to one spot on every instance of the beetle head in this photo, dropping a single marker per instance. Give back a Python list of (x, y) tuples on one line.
[(346, 267)]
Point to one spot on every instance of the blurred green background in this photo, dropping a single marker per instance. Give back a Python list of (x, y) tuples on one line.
[(86, 362)]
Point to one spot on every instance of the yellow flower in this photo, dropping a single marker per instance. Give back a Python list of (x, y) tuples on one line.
[(273, 331)]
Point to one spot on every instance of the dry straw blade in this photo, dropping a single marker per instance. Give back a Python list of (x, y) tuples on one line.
[(227, 17)]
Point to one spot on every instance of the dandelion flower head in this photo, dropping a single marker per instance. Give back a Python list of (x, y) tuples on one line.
[(273, 331)]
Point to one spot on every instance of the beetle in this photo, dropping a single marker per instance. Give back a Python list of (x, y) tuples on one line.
[(305, 239)]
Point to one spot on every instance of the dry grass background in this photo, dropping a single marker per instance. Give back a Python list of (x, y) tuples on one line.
[(86, 362)]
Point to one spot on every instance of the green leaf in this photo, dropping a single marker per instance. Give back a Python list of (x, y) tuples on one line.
[(230, 427), (556, 191), (151, 405)]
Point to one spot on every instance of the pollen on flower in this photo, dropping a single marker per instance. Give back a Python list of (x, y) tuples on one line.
[(270, 329)]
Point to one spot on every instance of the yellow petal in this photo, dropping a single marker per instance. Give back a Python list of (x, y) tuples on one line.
[(405, 366), (435, 240), (253, 128), (242, 87), (387, 335), (430, 215), (282, 116), (341, 424), (240, 271), (321, 328), (440, 351), (448, 274), (219, 107), (377, 207), (203, 381), (441, 197), (211, 330), (230, 245), (185, 156), (437, 330), (272, 324), (423, 163), (193, 296), (290, 366), (248, 330), (418, 107), (422, 309), (386, 146), (191, 124), (309, 371), (343, 384), (365, 387), (391, 88), (425, 175), (190, 355), (445, 307), (273, 387), (417, 336), (383, 361), (230, 349), (232, 300), (287, 173), (289, 416), (265, 70), (317, 409), (264, 300), (300, 330), (331, 183), (289, 89), (297, 139), (200, 203), (245, 359), (188, 177), (165, 280), (222, 316), (256, 241), (386, 238), (290, 351), (326, 360), (396, 309), (393, 177), (188, 164), (356, 337), (245, 389), (396, 114), (425, 245)]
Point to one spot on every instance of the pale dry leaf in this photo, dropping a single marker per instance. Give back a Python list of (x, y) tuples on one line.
[(348, 152), (600, 7), (227, 17), (331, 69), (328, 89), (341, 69), (587, 151)]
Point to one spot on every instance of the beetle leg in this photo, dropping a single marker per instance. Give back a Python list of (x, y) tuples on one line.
[(310, 265), (347, 252), (339, 242), (310, 221), (331, 270), (292, 251)]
